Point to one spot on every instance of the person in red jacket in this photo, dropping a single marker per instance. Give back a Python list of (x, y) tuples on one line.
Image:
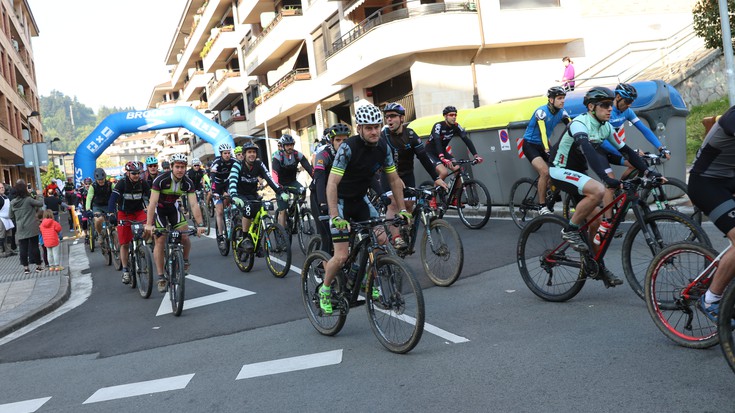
[(50, 230)]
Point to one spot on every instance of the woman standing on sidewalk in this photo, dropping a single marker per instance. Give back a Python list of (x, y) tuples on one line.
[(23, 210), (7, 244)]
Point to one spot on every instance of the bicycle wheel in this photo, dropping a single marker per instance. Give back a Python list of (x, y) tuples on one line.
[(176, 283), (105, 248), (312, 277), (725, 330), (397, 315), (144, 270), (549, 266), (277, 250), (523, 205), (205, 216), (474, 204), (675, 314), (115, 250), (667, 227), (243, 259), (210, 207), (307, 229), (569, 205), (672, 195), (315, 243), (92, 237), (223, 244), (442, 253)]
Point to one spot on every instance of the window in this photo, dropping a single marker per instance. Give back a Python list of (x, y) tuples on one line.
[(320, 50), (527, 4)]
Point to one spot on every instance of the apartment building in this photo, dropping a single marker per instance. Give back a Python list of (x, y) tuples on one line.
[(19, 101), (296, 66)]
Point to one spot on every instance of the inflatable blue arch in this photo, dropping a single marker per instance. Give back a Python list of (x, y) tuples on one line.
[(85, 159)]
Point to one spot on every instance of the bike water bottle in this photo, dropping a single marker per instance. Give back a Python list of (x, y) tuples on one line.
[(352, 275), (602, 232)]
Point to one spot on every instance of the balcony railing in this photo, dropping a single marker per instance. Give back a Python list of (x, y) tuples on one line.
[(212, 40), (216, 83), (381, 17), (282, 83), (294, 11)]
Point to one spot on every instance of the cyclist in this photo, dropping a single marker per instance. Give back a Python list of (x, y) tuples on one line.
[(151, 172), (405, 144), (98, 197), (196, 174), (355, 163), (321, 144), (163, 208), (243, 187), (239, 155), (536, 145), (574, 150), (220, 173), (166, 166), (128, 198), (322, 166), (711, 189), (285, 167), (443, 132)]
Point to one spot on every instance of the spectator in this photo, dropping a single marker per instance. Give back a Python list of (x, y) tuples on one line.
[(567, 81), (54, 203), (23, 211), (50, 231), (53, 187), (235, 111), (7, 242)]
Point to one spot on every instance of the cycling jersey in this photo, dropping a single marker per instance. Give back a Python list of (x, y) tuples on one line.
[(149, 178), (404, 146), (196, 177), (716, 157), (285, 166), (542, 124), (442, 133), (357, 163), (617, 120), (129, 195), (99, 195), (243, 179), (322, 167), (170, 189), (220, 171)]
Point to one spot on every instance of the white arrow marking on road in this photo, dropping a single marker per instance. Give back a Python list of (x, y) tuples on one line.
[(308, 361), (140, 388), (26, 406), (230, 293), (151, 124)]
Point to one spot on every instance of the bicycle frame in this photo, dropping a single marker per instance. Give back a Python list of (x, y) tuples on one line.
[(701, 277)]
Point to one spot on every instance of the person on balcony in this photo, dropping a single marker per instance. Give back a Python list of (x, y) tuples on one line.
[(235, 111)]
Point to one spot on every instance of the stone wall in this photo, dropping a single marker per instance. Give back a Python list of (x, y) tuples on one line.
[(701, 79)]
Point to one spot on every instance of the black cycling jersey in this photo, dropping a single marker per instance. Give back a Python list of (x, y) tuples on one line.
[(716, 157), (357, 163), (196, 177), (442, 133), (101, 195), (243, 179), (149, 178), (322, 166), (220, 171), (285, 167), (404, 146), (170, 189), (128, 195)]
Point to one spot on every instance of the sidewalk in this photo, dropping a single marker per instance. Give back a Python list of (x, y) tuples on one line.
[(26, 298)]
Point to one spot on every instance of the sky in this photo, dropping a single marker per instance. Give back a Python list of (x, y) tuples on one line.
[(104, 52)]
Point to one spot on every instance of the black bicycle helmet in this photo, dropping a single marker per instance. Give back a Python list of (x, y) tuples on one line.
[(449, 109), (555, 91), (339, 129), (598, 94), (100, 174), (395, 107), (287, 140), (248, 146), (626, 91)]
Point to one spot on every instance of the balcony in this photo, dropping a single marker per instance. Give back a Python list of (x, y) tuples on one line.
[(230, 85), (193, 88), (282, 83), (222, 45), (265, 52), (250, 10)]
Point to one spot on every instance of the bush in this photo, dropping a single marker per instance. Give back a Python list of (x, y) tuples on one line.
[(695, 129)]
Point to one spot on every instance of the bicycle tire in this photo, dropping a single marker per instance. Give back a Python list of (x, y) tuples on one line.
[(307, 229), (144, 271), (669, 227), (725, 330), (311, 281), (400, 303), (443, 256), (176, 285), (92, 239), (549, 280), (672, 187), (471, 212), (522, 205), (115, 250), (210, 205), (315, 243), (243, 260), (277, 248), (105, 249), (568, 206), (224, 245), (670, 272), (205, 217)]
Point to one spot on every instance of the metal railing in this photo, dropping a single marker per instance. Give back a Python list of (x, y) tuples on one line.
[(295, 11), (282, 83)]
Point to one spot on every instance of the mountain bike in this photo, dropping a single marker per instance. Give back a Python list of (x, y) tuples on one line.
[(269, 239), (524, 206), (140, 260), (299, 219), (201, 200), (725, 327), (173, 263), (109, 245), (395, 302), (469, 197), (223, 244), (442, 253), (555, 272)]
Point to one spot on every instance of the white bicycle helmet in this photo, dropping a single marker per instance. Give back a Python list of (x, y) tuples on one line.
[(368, 115), (224, 146), (195, 162), (179, 157)]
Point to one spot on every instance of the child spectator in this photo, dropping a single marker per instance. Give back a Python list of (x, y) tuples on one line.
[(50, 229)]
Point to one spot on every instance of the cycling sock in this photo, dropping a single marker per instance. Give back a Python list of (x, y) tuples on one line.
[(161, 277), (326, 289), (711, 297), (125, 269), (572, 226)]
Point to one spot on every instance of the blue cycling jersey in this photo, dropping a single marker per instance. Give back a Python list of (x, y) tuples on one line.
[(543, 115), (617, 120)]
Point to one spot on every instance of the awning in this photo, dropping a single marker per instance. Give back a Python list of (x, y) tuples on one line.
[(354, 5), (289, 64)]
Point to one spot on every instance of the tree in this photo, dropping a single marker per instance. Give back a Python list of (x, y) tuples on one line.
[(52, 172), (707, 23)]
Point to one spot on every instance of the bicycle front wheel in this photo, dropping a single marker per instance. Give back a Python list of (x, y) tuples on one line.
[(395, 305), (672, 294), (312, 277), (91, 237), (523, 205), (205, 216), (549, 266), (115, 250), (666, 227), (223, 244), (144, 270), (725, 330), (474, 204), (277, 250), (307, 229), (176, 283), (243, 259), (442, 253)]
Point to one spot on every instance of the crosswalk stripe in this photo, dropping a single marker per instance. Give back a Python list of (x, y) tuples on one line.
[(140, 388), (26, 406), (285, 365)]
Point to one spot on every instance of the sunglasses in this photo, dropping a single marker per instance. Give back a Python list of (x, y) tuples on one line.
[(391, 116), (153, 166), (605, 105), (134, 173), (452, 114), (628, 101)]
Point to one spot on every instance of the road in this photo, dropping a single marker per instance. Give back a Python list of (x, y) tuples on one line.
[(490, 344)]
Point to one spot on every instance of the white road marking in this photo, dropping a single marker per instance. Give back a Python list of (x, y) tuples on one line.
[(230, 293), (140, 388), (293, 268), (285, 365), (26, 406), (429, 328)]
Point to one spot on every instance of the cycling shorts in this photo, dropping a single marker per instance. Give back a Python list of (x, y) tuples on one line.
[(356, 209), (714, 196), (435, 158), (170, 215), (534, 150), (99, 209), (612, 159), (569, 181), (409, 180), (252, 205), (124, 232)]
